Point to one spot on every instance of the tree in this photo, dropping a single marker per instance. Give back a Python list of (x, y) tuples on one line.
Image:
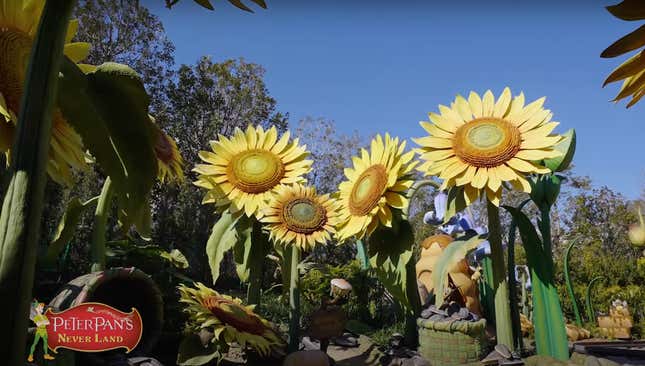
[(126, 32)]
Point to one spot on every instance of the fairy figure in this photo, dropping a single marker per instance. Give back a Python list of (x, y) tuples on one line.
[(37, 316)]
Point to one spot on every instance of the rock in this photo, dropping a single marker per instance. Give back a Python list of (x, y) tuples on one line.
[(309, 344), (309, 358), (503, 351), (346, 340)]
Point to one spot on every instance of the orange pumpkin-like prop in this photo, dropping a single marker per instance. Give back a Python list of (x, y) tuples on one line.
[(461, 274)]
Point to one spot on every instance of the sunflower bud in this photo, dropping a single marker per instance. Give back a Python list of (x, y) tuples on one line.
[(637, 231), (545, 190)]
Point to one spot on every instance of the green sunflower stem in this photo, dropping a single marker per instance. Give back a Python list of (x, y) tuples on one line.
[(512, 283), (259, 242), (294, 299), (590, 312), (23, 202), (503, 324), (567, 279), (97, 248)]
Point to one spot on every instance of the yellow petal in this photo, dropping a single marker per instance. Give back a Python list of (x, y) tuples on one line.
[(433, 130), (540, 142), (535, 155), (470, 194), (505, 173), (433, 142), (437, 155), (451, 115), (494, 196), (463, 108), (453, 170), (475, 104), (494, 182), (501, 107), (488, 104), (282, 143), (480, 178), (77, 51), (525, 166), (541, 131), (467, 176), (537, 119), (443, 122)]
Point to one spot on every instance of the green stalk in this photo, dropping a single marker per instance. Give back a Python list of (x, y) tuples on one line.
[(500, 284), (567, 279), (294, 299), (97, 249), (23, 202), (548, 320), (486, 289), (590, 312), (361, 255), (512, 284), (259, 245)]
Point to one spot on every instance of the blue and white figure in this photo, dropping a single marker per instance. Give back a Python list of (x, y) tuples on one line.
[(522, 272)]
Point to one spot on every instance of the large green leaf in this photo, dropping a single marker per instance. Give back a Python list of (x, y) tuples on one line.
[(222, 239), (66, 228), (450, 256), (550, 333), (455, 202), (108, 107), (242, 248), (391, 257), (568, 149), (193, 353)]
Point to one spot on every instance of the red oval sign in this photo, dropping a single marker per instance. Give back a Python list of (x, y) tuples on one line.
[(93, 327)]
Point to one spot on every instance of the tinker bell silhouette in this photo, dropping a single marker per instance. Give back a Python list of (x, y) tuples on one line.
[(37, 316)]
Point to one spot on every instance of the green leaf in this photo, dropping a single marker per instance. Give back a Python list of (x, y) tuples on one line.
[(192, 353), (568, 149), (242, 249), (455, 202), (628, 10), (108, 107), (223, 237), (205, 3), (66, 228), (240, 5), (450, 256), (391, 257), (176, 258)]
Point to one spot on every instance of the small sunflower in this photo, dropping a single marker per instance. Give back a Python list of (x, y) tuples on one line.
[(169, 160), (244, 171), (377, 183), (229, 319), (18, 25), (298, 216), (632, 71), (479, 143)]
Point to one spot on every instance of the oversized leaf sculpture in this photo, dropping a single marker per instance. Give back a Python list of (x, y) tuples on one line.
[(207, 4), (222, 239), (108, 107), (67, 227), (390, 251), (451, 255)]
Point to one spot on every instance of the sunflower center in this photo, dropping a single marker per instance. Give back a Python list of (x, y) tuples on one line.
[(255, 171), (15, 47), (233, 314), (487, 142), (304, 215), (367, 190)]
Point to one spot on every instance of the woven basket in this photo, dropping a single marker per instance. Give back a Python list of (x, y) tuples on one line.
[(448, 343)]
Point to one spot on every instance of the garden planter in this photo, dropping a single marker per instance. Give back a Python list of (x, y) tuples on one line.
[(123, 289), (447, 343)]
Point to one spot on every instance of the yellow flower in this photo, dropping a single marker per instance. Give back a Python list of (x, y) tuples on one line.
[(479, 143), (169, 160), (243, 172), (377, 183), (228, 319), (632, 71), (18, 25), (297, 216)]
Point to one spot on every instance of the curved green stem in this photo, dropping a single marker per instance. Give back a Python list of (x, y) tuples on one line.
[(97, 249), (23, 202), (500, 284), (567, 279), (590, 312), (294, 299), (361, 254), (412, 192)]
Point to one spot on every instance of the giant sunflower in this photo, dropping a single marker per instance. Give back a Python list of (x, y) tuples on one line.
[(479, 143), (169, 160), (18, 25), (632, 71), (228, 319), (378, 182), (244, 171), (297, 216)]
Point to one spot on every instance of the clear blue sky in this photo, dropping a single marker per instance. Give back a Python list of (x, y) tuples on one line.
[(377, 66)]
